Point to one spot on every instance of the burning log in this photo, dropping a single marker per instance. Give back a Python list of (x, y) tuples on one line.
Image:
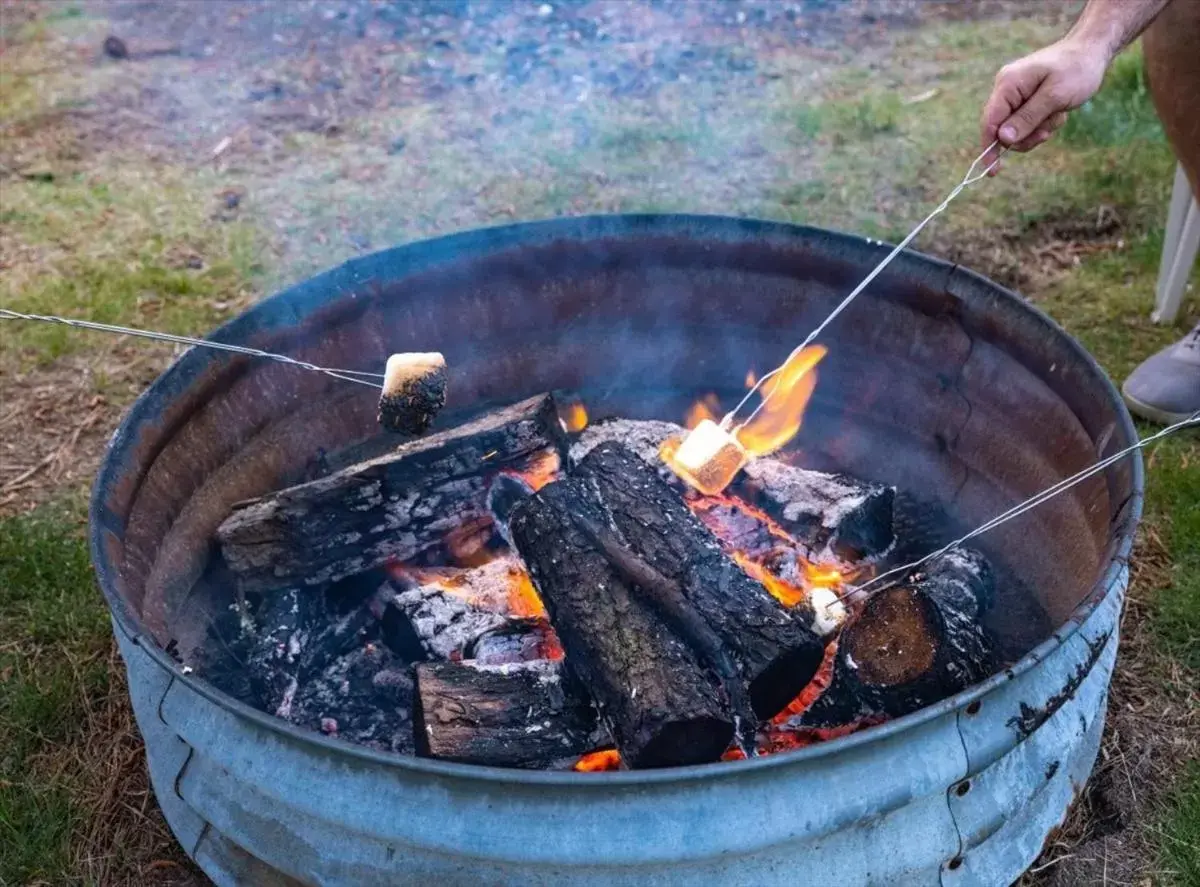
[(532, 716), (837, 518), (649, 684), (913, 644), (414, 390), (385, 509), (518, 640), (776, 654)]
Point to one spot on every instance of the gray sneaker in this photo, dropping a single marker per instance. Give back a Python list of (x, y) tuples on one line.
[(1166, 388)]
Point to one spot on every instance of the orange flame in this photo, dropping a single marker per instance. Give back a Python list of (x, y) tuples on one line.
[(751, 378), (785, 395), (818, 685), (707, 407), (539, 470), (599, 761), (573, 416), (786, 593), (523, 600)]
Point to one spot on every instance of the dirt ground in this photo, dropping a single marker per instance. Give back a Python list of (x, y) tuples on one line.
[(300, 134)]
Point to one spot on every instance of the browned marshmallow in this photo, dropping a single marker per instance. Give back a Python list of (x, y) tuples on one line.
[(414, 389)]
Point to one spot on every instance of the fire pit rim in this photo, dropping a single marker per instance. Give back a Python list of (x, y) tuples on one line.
[(275, 311)]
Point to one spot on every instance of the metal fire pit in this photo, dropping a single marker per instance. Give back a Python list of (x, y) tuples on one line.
[(937, 381)]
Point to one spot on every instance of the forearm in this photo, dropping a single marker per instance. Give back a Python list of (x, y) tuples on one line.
[(1111, 25)]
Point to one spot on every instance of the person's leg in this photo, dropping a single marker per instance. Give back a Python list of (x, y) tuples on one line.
[(1166, 388)]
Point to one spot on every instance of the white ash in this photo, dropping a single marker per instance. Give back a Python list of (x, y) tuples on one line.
[(445, 623), (644, 437)]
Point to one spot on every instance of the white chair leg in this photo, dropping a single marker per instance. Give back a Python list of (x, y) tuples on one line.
[(1181, 241)]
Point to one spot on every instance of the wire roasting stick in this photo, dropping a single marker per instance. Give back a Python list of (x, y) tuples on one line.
[(359, 376), (878, 582), (412, 389), (975, 172)]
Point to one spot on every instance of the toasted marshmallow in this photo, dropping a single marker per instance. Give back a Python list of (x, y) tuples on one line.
[(708, 458), (414, 390)]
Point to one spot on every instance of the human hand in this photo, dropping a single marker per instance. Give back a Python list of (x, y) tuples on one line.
[(1031, 96)]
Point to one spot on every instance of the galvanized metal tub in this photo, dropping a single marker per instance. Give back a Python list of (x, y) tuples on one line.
[(972, 395)]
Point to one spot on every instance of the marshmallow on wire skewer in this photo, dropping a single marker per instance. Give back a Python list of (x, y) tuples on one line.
[(414, 390)]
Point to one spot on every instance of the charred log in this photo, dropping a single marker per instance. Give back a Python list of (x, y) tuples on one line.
[(840, 519), (518, 640), (777, 654), (535, 716), (837, 518), (650, 685), (385, 509), (913, 644)]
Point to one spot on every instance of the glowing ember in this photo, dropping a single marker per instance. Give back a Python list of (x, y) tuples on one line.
[(599, 761), (541, 469), (818, 685), (466, 544), (751, 378), (786, 593), (574, 417)]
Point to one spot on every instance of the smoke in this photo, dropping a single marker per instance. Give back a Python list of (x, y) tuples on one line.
[(353, 125)]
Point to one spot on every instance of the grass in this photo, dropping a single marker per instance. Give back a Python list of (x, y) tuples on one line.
[(1180, 831), (52, 667), (127, 246)]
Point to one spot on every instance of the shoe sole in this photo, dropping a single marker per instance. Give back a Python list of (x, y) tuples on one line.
[(1153, 414)]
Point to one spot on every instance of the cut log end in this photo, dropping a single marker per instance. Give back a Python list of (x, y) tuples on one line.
[(897, 641), (414, 391)]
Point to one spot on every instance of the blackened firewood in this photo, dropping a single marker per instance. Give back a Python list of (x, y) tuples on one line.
[(517, 640), (912, 644), (447, 609), (445, 623), (384, 509), (504, 495), (533, 716), (777, 654), (644, 436), (653, 692), (838, 518), (672, 605)]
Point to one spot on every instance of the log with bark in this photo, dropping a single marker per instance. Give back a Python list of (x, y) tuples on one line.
[(385, 509), (652, 688), (912, 644), (836, 518), (776, 653), (534, 715)]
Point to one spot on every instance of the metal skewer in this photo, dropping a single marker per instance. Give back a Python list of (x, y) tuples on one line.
[(1022, 507), (974, 173), (359, 376)]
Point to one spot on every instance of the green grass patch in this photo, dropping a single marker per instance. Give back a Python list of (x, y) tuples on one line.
[(1121, 112), (129, 246), (1179, 832), (54, 660)]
